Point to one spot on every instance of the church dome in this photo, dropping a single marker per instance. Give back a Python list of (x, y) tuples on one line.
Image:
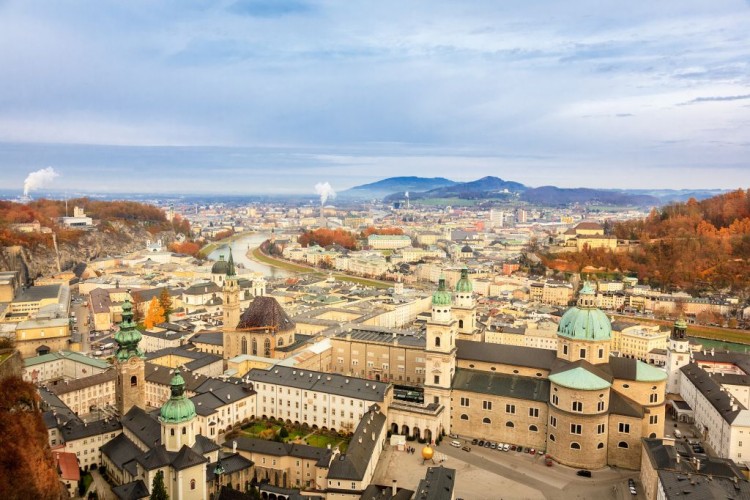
[(442, 297), (220, 266), (128, 336), (265, 313), (585, 321), (178, 408), (464, 284)]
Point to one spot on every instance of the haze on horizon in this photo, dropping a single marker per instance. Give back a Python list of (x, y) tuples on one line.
[(253, 96)]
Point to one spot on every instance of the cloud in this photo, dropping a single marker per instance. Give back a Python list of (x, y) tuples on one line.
[(270, 8), (716, 99)]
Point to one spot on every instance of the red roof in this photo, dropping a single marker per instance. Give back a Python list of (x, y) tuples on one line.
[(67, 464)]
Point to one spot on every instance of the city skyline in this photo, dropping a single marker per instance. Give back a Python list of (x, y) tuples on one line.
[(274, 97)]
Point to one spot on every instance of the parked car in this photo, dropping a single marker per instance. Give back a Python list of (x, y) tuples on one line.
[(512, 447), (532, 451), (474, 441), (453, 436), (481, 442), (456, 444), (548, 462), (466, 448), (584, 473), (493, 445), (506, 447), (487, 444)]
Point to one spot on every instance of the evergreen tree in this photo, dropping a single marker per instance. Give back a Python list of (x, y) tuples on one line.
[(158, 490)]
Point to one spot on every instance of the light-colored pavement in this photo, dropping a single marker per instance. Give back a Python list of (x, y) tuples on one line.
[(101, 486), (490, 474)]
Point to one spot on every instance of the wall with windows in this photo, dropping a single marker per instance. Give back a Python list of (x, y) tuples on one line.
[(624, 441)]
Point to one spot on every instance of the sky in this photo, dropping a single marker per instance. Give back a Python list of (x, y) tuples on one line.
[(273, 96)]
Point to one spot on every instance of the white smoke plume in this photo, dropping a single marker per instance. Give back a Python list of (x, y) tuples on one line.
[(38, 179), (325, 191), (406, 194)]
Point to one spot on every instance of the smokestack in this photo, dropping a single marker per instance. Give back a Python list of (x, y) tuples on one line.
[(325, 191), (394, 488), (37, 179), (234, 446)]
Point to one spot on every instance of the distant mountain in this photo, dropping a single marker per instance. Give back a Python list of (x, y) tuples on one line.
[(672, 195), (551, 195), (396, 184), (487, 187)]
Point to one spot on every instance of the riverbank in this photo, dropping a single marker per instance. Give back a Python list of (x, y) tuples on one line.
[(698, 331), (258, 255), (206, 250)]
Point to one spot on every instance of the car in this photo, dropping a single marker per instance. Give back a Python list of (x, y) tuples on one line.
[(493, 445), (487, 444), (633, 490), (631, 482), (456, 444), (532, 451), (506, 447), (519, 449), (453, 436), (512, 447), (466, 448), (540, 452), (481, 442), (474, 441), (548, 462), (584, 473)]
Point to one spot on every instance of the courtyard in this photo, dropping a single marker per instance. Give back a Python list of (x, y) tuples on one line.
[(294, 433)]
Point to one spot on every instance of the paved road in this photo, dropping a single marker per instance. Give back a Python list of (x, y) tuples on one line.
[(102, 487)]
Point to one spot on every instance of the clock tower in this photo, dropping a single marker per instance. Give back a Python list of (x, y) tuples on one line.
[(130, 364)]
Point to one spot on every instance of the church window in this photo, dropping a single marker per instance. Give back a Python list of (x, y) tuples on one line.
[(437, 341), (565, 349), (600, 406), (437, 379), (624, 428), (653, 398), (464, 416), (582, 353), (267, 347), (577, 406), (487, 405), (653, 419), (171, 432), (575, 446), (534, 412), (281, 341), (192, 484), (255, 347), (464, 401), (555, 399), (600, 429), (460, 323), (486, 420), (510, 424), (551, 437), (184, 431), (533, 428), (601, 353), (600, 446), (575, 429), (510, 409), (622, 444), (243, 349), (133, 381)]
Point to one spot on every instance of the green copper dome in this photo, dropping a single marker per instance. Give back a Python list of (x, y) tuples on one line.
[(464, 284), (585, 321), (128, 336), (681, 323), (442, 297), (178, 408)]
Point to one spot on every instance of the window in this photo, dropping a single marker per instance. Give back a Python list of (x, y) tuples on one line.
[(575, 428), (243, 349), (437, 379), (555, 400), (510, 424), (465, 402), (192, 484), (582, 353), (486, 420), (437, 341), (565, 349), (601, 353), (553, 421), (577, 406), (464, 417), (533, 428), (653, 419), (600, 406), (622, 444), (510, 409), (184, 431), (624, 428), (487, 405), (171, 432), (575, 446), (255, 347), (600, 429), (133, 381), (653, 398), (534, 412), (600, 446), (552, 437)]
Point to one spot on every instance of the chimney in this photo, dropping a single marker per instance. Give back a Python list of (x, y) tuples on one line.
[(697, 464), (234, 446), (677, 458), (713, 352), (394, 488)]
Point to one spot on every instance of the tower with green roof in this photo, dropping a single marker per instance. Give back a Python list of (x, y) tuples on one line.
[(464, 306), (231, 290), (130, 363), (177, 417), (678, 354), (440, 351), (584, 331)]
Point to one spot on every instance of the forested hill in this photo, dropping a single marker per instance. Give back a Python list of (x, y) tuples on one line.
[(696, 245)]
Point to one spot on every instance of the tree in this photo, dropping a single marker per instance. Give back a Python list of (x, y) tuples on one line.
[(137, 300), (155, 314), (158, 491), (165, 300)]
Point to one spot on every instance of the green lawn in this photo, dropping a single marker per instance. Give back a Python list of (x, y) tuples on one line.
[(322, 441), (87, 480), (256, 428), (293, 434)]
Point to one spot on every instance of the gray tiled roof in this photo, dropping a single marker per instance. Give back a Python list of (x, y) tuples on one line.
[(352, 465), (437, 484), (144, 426), (677, 486), (120, 451), (274, 448), (76, 429), (505, 354), (131, 491), (329, 383), (83, 383), (712, 391), (230, 463), (500, 384), (622, 405)]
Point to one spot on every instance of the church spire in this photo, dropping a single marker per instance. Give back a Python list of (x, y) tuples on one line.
[(128, 336), (230, 267)]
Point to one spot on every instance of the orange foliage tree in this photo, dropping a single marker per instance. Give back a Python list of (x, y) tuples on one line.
[(155, 314), (326, 237), (186, 247), (381, 230)]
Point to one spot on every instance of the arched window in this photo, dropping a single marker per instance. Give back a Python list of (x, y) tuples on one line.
[(464, 416), (255, 347), (281, 341), (133, 381), (184, 431), (460, 323), (486, 420), (171, 432), (533, 428), (243, 348), (267, 347), (575, 446), (622, 444), (652, 435), (437, 341), (509, 424), (551, 437), (192, 484), (600, 446)]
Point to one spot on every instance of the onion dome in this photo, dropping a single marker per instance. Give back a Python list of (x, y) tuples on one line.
[(178, 407), (220, 266), (585, 321), (464, 284), (442, 297), (128, 336), (427, 452)]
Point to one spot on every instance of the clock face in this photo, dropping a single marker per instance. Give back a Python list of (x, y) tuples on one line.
[(133, 360)]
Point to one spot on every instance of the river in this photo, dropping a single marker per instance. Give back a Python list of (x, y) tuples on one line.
[(240, 246)]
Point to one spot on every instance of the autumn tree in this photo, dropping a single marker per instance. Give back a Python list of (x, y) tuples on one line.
[(137, 300), (155, 314), (185, 247), (165, 301), (158, 490)]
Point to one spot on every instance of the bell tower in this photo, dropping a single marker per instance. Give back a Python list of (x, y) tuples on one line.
[(440, 352), (130, 363), (231, 313), (678, 355), (465, 306)]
